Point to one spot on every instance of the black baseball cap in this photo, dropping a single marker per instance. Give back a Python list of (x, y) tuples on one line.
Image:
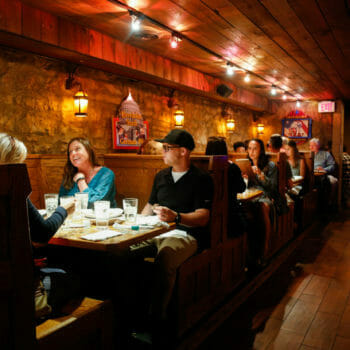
[(179, 137)]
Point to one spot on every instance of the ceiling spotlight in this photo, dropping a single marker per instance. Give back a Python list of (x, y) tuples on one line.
[(247, 78), (298, 104), (174, 41), (229, 69), (273, 90), (135, 22), (284, 96)]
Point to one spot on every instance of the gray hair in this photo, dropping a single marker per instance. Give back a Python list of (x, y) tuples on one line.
[(11, 149), (316, 140)]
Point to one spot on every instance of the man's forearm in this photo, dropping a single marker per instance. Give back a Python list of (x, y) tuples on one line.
[(200, 217)]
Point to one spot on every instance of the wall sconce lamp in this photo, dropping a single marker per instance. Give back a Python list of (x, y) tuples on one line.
[(80, 104), (81, 97), (230, 125), (179, 118), (260, 128)]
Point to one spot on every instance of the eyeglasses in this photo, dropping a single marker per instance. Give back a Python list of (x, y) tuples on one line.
[(166, 148)]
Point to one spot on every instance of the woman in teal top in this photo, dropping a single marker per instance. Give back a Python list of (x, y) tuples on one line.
[(82, 173)]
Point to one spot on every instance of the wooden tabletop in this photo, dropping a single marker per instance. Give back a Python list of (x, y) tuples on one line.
[(71, 238), (249, 194), (319, 173)]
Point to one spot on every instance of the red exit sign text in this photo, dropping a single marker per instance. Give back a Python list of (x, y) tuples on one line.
[(326, 107)]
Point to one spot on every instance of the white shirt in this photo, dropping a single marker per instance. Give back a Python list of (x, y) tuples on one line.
[(177, 175)]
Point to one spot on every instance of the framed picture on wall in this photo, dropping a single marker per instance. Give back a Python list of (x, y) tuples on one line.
[(297, 128), (129, 134)]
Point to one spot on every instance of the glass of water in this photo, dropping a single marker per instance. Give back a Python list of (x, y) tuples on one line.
[(130, 209), (246, 180), (51, 203), (102, 214), (81, 203), (83, 199)]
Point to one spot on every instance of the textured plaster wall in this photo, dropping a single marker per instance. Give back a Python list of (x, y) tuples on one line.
[(36, 107)]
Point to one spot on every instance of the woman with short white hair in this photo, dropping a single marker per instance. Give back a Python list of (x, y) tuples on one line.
[(14, 151)]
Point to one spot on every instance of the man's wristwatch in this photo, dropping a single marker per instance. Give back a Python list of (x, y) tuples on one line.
[(178, 218)]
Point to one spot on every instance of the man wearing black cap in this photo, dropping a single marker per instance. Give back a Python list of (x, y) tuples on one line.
[(180, 193)]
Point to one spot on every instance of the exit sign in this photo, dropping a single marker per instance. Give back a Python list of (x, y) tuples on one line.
[(326, 107)]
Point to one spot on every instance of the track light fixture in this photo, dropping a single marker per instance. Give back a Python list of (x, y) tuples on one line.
[(135, 21), (229, 69), (174, 41)]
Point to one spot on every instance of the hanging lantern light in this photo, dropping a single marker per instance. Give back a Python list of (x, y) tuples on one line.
[(230, 125), (80, 104), (179, 118), (260, 129)]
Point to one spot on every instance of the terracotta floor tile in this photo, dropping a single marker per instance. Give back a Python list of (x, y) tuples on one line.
[(322, 331), (335, 299), (300, 317), (271, 330), (344, 326), (286, 340), (283, 309), (341, 344), (317, 286)]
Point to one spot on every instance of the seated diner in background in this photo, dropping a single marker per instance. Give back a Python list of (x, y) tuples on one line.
[(296, 162), (266, 178), (82, 173), (276, 143), (326, 182), (182, 193), (59, 285), (239, 147), (237, 220)]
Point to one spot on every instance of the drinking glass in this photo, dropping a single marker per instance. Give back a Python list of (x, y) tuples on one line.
[(246, 180), (102, 214), (63, 201), (130, 209), (51, 203), (83, 199)]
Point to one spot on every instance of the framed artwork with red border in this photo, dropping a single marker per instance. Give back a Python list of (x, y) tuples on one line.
[(129, 134), (297, 128)]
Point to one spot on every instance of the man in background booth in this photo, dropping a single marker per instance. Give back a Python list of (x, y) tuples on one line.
[(324, 163)]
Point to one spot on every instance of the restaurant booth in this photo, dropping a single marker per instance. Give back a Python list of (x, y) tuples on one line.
[(62, 77)]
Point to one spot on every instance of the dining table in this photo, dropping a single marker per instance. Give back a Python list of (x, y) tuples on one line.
[(72, 237)]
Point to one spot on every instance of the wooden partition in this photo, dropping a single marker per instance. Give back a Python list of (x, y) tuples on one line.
[(17, 328)]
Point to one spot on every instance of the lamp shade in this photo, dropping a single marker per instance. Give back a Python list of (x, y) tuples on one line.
[(230, 125), (80, 104), (260, 128), (179, 118)]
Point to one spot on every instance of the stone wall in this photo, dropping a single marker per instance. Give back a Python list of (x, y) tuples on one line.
[(36, 107)]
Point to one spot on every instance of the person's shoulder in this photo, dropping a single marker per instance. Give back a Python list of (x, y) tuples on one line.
[(104, 170), (164, 172)]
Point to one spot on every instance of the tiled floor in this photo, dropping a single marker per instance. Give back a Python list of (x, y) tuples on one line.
[(304, 306)]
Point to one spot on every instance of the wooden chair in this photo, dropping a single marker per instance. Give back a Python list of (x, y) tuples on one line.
[(87, 324)]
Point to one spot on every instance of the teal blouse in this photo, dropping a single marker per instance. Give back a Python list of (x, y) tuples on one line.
[(101, 187)]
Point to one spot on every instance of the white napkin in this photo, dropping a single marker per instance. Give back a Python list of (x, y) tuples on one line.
[(174, 233), (101, 235), (143, 222)]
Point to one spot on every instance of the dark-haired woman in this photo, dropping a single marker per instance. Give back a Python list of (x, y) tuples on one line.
[(82, 173), (266, 179)]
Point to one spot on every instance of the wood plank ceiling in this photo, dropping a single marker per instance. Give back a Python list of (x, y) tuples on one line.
[(300, 46)]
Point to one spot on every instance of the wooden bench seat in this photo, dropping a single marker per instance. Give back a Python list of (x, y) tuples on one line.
[(87, 324)]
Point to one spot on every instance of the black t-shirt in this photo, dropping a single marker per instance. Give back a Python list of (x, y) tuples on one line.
[(192, 191)]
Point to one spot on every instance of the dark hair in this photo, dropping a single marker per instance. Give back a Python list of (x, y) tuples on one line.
[(276, 141), (263, 158), (216, 146), (238, 144), (69, 169), (293, 145)]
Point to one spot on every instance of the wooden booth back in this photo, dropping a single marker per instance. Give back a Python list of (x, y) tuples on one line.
[(17, 329)]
